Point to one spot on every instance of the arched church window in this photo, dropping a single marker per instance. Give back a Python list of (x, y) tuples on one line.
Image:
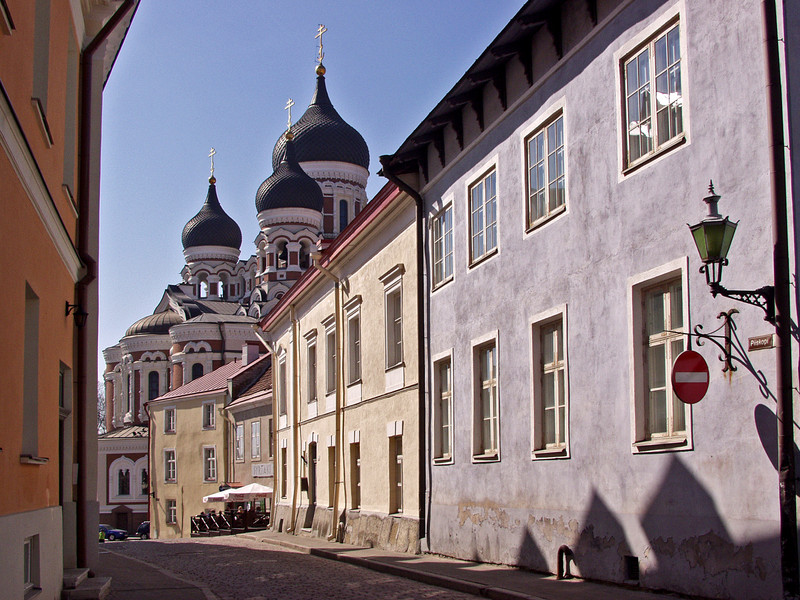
[(342, 214), (197, 370), (124, 482), (204, 289), (152, 385), (305, 256), (145, 483), (283, 255)]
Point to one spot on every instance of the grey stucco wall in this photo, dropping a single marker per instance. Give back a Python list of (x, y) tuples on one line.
[(703, 520)]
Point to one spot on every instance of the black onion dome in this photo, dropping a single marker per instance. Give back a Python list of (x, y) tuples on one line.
[(212, 226), (322, 135), (289, 186), (159, 323)]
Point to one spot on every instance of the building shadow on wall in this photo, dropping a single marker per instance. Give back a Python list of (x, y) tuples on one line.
[(767, 427), (602, 543), (688, 535)]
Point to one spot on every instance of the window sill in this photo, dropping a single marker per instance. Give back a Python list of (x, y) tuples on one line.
[(173, 481), (169, 432), (474, 262), (443, 460), (640, 162), (487, 457), (209, 428), (661, 444), (354, 382), (32, 592), (399, 365), (28, 459), (542, 221), (543, 453), (441, 284)]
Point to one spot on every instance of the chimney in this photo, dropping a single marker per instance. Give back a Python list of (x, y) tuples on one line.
[(249, 353)]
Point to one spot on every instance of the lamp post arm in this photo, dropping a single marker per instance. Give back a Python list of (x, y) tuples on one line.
[(763, 297)]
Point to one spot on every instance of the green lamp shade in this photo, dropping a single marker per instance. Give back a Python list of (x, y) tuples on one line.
[(713, 238)]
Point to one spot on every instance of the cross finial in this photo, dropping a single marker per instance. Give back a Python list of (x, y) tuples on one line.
[(288, 107), (211, 155), (320, 30)]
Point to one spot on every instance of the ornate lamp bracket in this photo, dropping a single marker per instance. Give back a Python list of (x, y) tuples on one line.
[(731, 348), (763, 297)]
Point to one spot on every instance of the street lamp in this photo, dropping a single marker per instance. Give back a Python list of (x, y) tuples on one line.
[(713, 236)]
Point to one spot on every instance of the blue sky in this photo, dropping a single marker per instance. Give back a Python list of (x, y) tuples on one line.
[(193, 74)]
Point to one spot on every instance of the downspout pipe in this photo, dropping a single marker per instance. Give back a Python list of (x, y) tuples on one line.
[(295, 423), (790, 573), (424, 449), (337, 517), (87, 551)]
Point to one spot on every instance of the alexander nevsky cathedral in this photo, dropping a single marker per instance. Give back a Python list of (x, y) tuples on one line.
[(318, 185)]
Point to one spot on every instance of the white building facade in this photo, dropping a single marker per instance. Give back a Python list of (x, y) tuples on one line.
[(558, 177)]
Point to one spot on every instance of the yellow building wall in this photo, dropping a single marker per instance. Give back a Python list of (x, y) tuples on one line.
[(188, 441)]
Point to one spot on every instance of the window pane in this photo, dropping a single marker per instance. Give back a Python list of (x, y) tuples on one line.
[(549, 426), (632, 78), (661, 54), (644, 67), (658, 411), (657, 361), (655, 312), (674, 44)]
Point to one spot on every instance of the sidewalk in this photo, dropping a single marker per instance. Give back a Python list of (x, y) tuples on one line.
[(133, 579), (490, 581)]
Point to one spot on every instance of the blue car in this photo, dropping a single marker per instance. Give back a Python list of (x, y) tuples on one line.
[(113, 534)]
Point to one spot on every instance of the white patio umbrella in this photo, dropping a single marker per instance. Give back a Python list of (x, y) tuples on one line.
[(249, 492), (218, 496)]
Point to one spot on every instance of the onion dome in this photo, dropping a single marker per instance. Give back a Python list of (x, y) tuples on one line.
[(322, 135), (289, 186), (157, 324), (212, 226)]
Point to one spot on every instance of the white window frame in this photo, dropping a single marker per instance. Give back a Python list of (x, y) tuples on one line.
[(170, 420), (540, 324), (209, 415), (311, 366), (239, 442), (209, 463), (283, 384), (442, 396), (631, 49), (330, 354), (488, 232), (393, 317), (638, 286), (542, 130), (170, 465), (442, 246), (481, 451), (30, 564), (396, 472), (255, 439), (172, 512), (353, 331)]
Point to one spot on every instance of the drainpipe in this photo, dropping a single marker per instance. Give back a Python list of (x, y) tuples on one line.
[(784, 409), (295, 418), (424, 450), (339, 411), (87, 551)]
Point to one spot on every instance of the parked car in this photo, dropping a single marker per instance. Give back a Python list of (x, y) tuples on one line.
[(113, 534), (144, 530)]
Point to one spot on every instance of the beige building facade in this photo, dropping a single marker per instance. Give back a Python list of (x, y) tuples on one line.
[(345, 343)]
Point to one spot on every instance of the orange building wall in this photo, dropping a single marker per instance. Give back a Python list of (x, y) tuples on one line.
[(28, 255)]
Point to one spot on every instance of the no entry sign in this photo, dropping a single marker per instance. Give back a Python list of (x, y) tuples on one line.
[(690, 377)]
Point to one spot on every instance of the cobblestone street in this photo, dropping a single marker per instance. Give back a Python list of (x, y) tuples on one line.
[(234, 568)]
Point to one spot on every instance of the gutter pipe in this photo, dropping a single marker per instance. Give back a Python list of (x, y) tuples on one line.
[(424, 450), (87, 552), (784, 406)]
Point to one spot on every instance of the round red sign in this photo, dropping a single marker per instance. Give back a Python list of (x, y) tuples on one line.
[(690, 377)]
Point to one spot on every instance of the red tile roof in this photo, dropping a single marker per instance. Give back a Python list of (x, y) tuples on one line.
[(215, 381)]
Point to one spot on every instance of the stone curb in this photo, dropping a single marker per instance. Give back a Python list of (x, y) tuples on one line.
[(443, 581)]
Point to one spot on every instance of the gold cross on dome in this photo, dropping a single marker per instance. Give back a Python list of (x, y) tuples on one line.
[(289, 105), (320, 30), (211, 155)]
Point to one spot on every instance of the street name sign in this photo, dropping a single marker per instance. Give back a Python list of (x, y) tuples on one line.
[(690, 377)]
